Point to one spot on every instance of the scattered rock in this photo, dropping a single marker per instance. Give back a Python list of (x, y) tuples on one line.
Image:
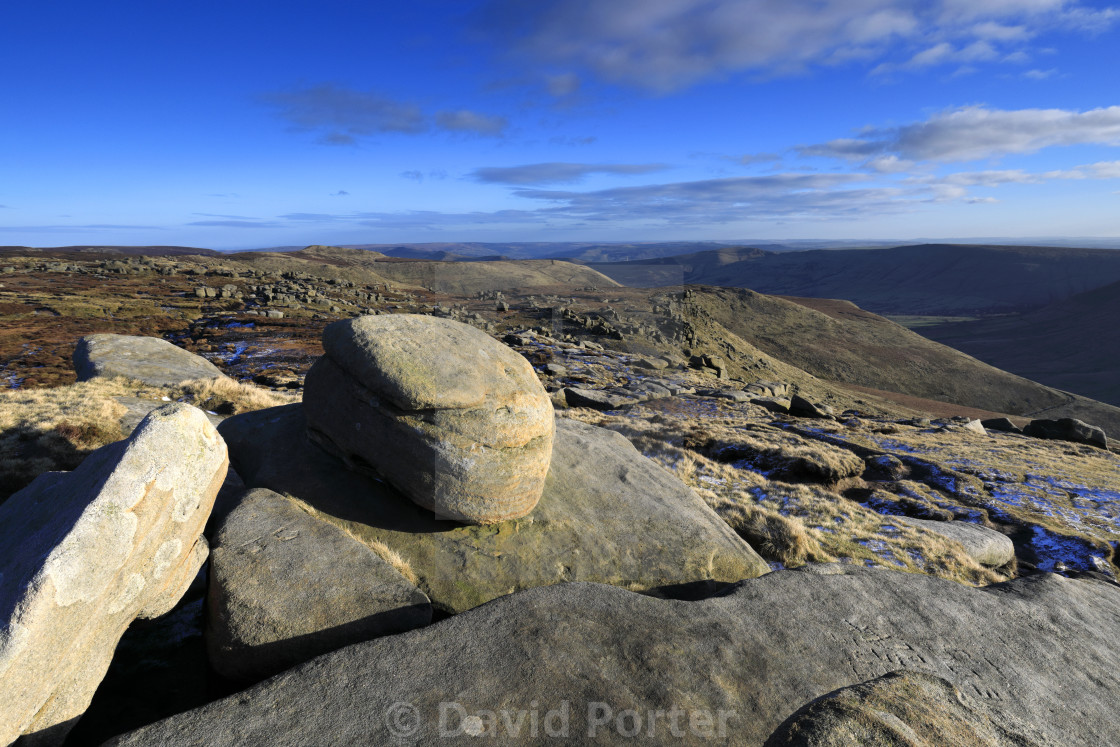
[(286, 587), (597, 399), (457, 421), (148, 359), (654, 364), (87, 552), (1001, 424), (803, 408), (986, 546), (773, 404), (751, 657), (607, 514), (555, 369), (769, 388), (1067, 429), (974, 426)]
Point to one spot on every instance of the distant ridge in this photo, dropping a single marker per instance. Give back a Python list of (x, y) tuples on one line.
[(926, 279), (151, 251)]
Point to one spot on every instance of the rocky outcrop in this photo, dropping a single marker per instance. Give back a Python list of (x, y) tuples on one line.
[(148, 359), (986, 546), (606, 514), (455, 420), (610, 666), (86, 552), (286, 587), (1067, 429)]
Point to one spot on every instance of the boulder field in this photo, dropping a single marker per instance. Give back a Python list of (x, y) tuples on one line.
[(422, 552)]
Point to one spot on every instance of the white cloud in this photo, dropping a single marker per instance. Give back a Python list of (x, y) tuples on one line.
[(975, 133), (664, 45)]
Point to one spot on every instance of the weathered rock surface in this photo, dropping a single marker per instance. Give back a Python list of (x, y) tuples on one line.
[(286, 587), (86, 552), (1001, 424), (1067, 429), (986, 546), (452, 418), (1039, 652), (803, 408), (907, 708), (597, 399), (607, 514), (148, 359)]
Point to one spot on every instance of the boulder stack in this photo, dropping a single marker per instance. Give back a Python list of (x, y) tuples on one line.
[(87, 552), (452, 418)]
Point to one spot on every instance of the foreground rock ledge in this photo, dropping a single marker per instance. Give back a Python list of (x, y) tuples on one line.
[(1038, 657), (454, 419), (286, 587), (87, 552), (607, 514)]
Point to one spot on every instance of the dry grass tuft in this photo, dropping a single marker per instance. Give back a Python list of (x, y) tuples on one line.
[(44, 430), (226, 396)]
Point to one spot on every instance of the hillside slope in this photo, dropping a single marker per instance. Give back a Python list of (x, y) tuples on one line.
[(930, 279), (837, 341), (1073, 344)]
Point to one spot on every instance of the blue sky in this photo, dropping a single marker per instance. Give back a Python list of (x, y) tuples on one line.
[(255, 124)]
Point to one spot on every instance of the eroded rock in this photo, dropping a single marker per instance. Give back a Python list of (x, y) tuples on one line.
[(606, 514), (452, 418), (88, 551), (748, 659), (286, 587)]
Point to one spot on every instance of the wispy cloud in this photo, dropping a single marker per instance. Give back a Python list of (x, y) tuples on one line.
[(557, 173), (343, 115), (235, 223), (464, 120), (67, 228), (665, 45), (975, 132), (574, 140), (340, 193)]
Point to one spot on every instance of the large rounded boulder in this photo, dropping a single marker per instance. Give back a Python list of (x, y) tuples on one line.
[(452, 418)]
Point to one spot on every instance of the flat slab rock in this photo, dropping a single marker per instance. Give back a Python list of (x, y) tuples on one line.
[(607, 514), (1037, 656), (901, 708), (148, 359), (286, 587), (986, 546), (87, 552)]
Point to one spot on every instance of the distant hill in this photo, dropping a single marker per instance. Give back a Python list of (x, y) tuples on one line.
[(1073, 344), (579, 251), (151, 251), (463, 278), (838, 341), (928, 279)]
